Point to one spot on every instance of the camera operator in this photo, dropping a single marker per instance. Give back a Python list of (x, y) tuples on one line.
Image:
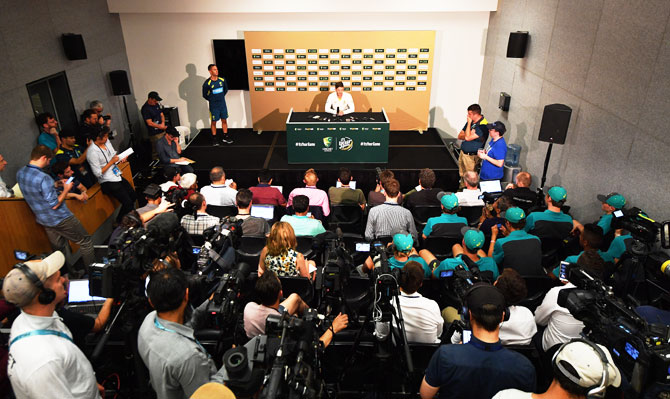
[(269, 292), (561, 326), (483, 366), (199, 220), (422, 318), (97, 106), (473, 240), (155, 204), (403, 252), (178, 364), (518, 249), (578, 369), (520, 193), (42, 355)]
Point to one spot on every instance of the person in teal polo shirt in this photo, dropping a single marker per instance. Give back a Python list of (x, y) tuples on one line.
[(302, 224), (449, 223), (590, 238), (473, 241), (403, 252), (611, 202), (518, 250), (552, 223)]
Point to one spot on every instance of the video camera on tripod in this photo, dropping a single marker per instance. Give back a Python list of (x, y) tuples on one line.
[(641, 350), (225, 307), (218, 251)]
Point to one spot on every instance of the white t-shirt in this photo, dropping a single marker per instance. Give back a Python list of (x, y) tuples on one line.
[(469, 197), (520, 327), (219, 194), (165, 187), (51, 366), (345, 104), (561, 325), (98, 157), (422, 317), (513, 394)]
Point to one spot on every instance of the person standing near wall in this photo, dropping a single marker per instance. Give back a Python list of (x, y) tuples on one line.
[(214, 90), (474, 136)]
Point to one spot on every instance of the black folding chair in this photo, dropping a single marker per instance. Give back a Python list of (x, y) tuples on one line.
[(422, 213), (346, 217), (298, 285), (471, 213), (440, 246), (221, 211), (250, 249)]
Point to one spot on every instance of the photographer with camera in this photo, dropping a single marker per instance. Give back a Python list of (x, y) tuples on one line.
[(473, 240), (155, 204), (403, 252), (581, 370), (42, 354), (518, 249), (482, 367), (422, 319), (178, 364), (269, 292)]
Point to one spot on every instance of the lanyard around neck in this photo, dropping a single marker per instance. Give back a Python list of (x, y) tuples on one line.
[(161, 327), (41, 332)]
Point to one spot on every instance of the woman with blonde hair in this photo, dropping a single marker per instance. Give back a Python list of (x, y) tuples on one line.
[(280, 255)]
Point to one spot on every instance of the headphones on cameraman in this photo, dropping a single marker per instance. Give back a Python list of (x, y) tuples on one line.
[(595, 391), (47, 295)]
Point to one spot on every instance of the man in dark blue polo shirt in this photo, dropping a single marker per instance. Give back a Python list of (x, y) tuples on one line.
[(482, 367), (493, 155), (474, 136), (449, 223), (518, 250), (169, 151), (552, 223)]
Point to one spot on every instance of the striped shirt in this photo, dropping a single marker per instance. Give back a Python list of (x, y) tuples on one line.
[(197, 226), (388, 219)]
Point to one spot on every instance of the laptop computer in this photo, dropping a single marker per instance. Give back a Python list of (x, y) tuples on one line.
[(263, 211), (280, 188), (80, 300), (490, 186)]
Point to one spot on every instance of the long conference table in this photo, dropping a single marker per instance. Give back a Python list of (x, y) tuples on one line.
[(320, 137)]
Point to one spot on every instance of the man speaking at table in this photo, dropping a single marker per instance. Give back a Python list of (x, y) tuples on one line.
[(339, 103)]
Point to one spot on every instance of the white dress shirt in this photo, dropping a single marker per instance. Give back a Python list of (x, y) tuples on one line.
[(561, 325), (345, 104), (219, 194), (469, 197)]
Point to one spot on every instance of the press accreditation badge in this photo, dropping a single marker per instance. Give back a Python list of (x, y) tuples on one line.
[(116, 170)]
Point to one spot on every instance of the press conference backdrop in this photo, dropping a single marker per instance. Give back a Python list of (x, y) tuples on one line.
[(389, 69)]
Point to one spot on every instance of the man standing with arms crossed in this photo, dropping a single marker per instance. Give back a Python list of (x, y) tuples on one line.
[(474, 136), (214, 90)]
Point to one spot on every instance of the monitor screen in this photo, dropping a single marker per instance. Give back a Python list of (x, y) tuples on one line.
[(263, 211), (78, 292), (490, 186)]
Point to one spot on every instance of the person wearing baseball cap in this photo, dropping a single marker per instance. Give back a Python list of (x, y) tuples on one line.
[(154, 119), (552, 223), (493, 155), (518, 249), (403, 252), (473, 241), (483, 366), (39, 342), (448, 223), (610, 203), (169, 151), (581, 368)]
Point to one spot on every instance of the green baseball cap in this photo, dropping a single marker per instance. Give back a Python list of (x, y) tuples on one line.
[(403, 242), (448, 201), (514, 215), (557, 193), (615, 200), (473, 238)]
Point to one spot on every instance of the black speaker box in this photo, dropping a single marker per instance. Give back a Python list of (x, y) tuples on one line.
[(73, 45), (120, 85), (555, 122), (516, 46), (503, 102)]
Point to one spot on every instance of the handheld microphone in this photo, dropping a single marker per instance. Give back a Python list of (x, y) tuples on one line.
[(337, 112)]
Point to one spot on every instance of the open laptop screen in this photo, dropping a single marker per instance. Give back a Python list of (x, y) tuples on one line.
[(263, 211), (490, 186), (78, 292)]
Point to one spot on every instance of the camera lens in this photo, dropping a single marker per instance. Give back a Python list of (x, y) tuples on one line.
[(235, 361)]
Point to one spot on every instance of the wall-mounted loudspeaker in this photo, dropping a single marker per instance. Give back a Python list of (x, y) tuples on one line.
[(555, 122), (516, 46), (73, 45), (120, 85), (503, 103)]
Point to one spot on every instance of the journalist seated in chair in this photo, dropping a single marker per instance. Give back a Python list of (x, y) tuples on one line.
[(422, 318), (491, 214), (470, 194), (552, 223), (389, 217), (222, 191), (270, 295), (155, 203), (198, 220), (403, 252), (251, 225), (302, 224), (264, 193), (471, 248), (520, 193), (519, 250), (449, 223), (520, 328), (425, 193), (172, 177), (169, 151), (590, 239), (280, 255), (344, 194)]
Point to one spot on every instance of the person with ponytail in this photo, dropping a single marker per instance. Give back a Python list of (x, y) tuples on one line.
[(197, 220)]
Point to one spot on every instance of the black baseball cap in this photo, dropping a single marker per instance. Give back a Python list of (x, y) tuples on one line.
[(172, 131), (482, 294), (152, 191), (154, 95), (498, 127)]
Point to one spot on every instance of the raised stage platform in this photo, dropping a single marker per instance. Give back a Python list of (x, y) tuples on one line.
[(409, 151)]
